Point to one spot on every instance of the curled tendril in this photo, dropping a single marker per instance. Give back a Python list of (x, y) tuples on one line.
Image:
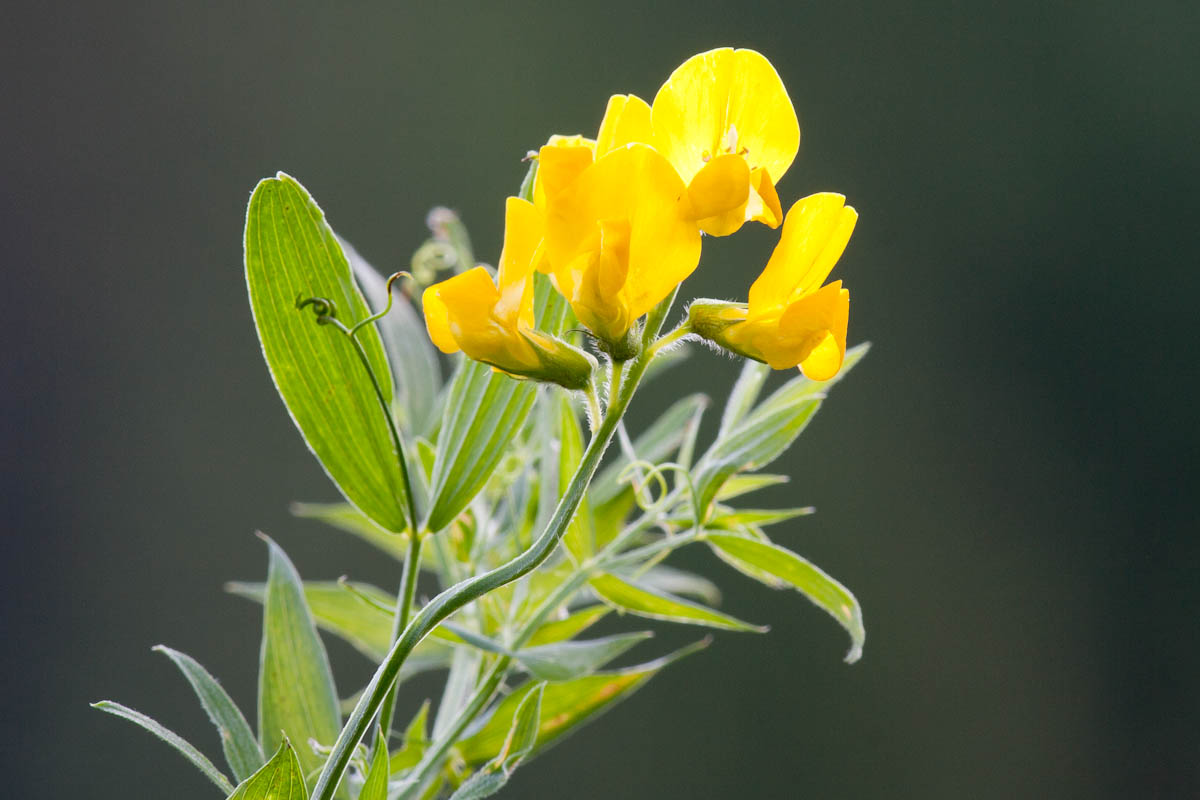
[(324, 308), (657, 473), (395, 276)]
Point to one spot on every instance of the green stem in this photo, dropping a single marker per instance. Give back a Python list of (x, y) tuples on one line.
[(461, 594), (432, 759), (404, 601)]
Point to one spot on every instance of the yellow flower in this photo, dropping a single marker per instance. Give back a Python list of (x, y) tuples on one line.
[(791, 319), (619, 237), (725, 122), (493, 322)]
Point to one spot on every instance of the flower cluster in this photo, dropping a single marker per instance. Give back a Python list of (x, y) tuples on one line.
[(616, 223)]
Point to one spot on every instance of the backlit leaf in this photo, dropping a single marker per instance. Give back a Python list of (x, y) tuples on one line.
[(282, 778), (646, 602), (291, 252), (563, 661), (296, 693), (804, 576), (241, 748), (185, 748)]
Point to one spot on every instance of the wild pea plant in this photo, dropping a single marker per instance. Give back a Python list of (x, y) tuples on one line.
[(494, 484)]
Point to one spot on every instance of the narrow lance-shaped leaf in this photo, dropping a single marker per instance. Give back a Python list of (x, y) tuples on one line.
[(565, 706), (292, 253), (804, 576), (375, 787), (241, 748), (484, 411), (646, 602), (296, 694), (564, 661), (282, 778), (522, 736), (184, 747), (744, 394), (766, 432), (349, 519), (361, 617), (579, 538)]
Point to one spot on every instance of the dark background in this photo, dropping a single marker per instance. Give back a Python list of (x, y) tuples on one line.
[(1007, 481)]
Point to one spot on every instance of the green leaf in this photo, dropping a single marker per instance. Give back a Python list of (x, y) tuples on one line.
[(565, 706), (360, 622), (655, 444), (578, 539), (296, 694), (766, 432), (804, 576), (564, 661), (375, 787), (484, 411), (646, 602), (417, 373), (677, 581), (291, 252), (481, 785), (569, 627), (744, 394), (739, 485), (170, 737), (281, 779), (349, 519), (416, 739), (522, 736), (241, 748)]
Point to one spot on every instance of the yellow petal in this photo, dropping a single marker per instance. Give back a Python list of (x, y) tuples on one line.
[(815, 234), (721, 187), (626, 120), (523, 230), (815, 326), (726, 101), (559, 164), (437, 320), (458, 310), (624, 233), (764, 201)]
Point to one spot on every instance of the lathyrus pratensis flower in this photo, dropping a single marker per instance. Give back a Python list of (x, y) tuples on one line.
[(791, 319), (725, 122), (620, 235), (493, 322)]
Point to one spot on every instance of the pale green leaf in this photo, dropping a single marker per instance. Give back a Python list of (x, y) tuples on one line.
[(282, 778), (738, 485), (643, 601), (480, 785), (375, 787), (578, 539), (565, 706), (170, 737), (744, 394), (358, 617), (801, 574), (416, 739), (349, 519), (484, 411), (568, 627), (296, 693), (676, 581), (564, 661), (241, 748), (291, 252), (522, 736), (417, 373)]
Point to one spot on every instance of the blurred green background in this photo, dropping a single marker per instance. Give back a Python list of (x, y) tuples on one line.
[(1007, 482)]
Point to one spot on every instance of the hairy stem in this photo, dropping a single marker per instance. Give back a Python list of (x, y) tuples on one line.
[(404, 601)]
